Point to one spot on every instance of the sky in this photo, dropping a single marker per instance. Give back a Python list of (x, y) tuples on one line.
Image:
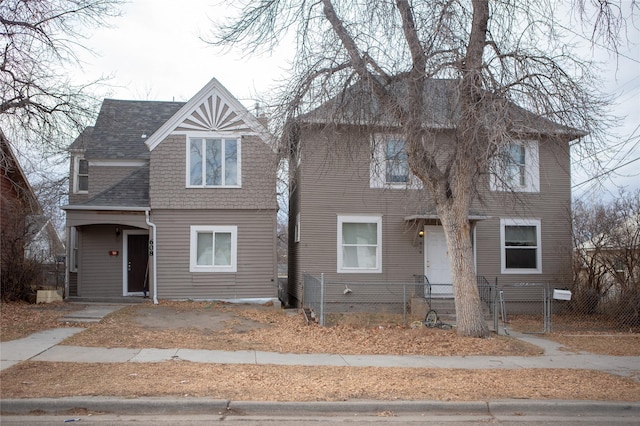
[(154, 52)]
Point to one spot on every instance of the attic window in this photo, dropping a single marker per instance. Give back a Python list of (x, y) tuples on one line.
[(213, 162)]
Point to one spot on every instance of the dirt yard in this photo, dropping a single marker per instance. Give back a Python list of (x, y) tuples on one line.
[(232, 327)]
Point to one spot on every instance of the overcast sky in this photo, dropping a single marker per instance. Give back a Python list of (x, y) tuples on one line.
[(153, 52)]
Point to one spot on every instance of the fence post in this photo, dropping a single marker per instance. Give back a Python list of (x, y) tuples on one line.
[(494, 308), (322, 299), (404, 304)]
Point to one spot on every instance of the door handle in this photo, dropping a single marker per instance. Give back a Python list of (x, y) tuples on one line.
[(129, 267)]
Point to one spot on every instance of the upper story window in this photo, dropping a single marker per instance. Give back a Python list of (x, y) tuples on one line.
[(521, 248), (516, 168), (389, 163), (213, 162), (81, 175)]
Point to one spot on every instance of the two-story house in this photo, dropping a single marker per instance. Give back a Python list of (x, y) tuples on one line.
[(177, 199), (357, 214)]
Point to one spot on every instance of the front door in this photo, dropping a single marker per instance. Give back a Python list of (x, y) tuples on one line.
[(436, 261), (137, 260)]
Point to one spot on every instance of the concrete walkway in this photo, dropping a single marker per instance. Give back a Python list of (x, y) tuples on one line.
[(43, 346)]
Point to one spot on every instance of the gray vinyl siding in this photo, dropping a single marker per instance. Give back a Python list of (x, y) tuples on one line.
[(168, 179), (99, 274), (256, 275), (333, 181), (552, 206)]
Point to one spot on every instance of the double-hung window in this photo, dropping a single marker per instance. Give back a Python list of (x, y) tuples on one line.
[(360, 244), (516, 168), (81, 175), (389, 163), (213, 162), (213, 249), (521, 246)]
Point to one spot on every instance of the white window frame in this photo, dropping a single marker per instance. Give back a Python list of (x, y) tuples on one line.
[(531, 170), (193, 253), (503, 261), (378, 167), (377, 219), (223, 137), (73, 249), (76, 175)]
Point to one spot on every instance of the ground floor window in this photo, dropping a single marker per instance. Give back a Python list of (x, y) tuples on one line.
[(520, 246), (213, 248), (360, 244)]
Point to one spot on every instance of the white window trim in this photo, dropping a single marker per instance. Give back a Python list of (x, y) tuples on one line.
[(190, 136), (76, 170), (193, 252), (73, 249), (378, 172), (531, 167), (520, 222), (359, 219)]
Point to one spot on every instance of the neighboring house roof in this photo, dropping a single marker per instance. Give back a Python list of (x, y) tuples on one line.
[(14, 177), (357, 105), (132, 191), (40, 226)]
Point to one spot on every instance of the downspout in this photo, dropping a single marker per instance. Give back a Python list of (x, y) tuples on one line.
[(153, 254)]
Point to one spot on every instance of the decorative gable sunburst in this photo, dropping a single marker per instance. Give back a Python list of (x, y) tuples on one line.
[(214, 114), (212, 109)]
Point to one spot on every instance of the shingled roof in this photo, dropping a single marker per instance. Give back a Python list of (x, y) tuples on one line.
[(132, 191), (358, 105), (122, 128)]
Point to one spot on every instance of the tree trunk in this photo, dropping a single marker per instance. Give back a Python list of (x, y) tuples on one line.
[(470, 320)]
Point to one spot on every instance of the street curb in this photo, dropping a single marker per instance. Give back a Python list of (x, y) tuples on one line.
[(360, 407), (160, 405), (560, 407), (114, 405)]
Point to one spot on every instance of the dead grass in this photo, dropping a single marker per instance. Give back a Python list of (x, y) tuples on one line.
[(286, 333), (295, 383), (587, 337), (617, 344), (20, 319)]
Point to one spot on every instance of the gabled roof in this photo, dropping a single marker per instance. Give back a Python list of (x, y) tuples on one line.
[(122, 127), (12, 172), (357, 105), (212, 109)]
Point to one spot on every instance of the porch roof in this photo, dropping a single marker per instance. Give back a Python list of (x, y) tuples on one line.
[(433, 216)]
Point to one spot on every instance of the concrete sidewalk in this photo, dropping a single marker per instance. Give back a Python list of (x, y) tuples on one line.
[(44, 346)]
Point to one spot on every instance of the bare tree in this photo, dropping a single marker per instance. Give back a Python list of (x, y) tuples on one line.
[(503, 56), (39, 41), (607, 257)]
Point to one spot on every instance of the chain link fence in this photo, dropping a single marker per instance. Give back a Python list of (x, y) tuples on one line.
[(523, 307)]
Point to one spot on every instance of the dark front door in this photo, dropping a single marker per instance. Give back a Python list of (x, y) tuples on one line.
[(138, 255)]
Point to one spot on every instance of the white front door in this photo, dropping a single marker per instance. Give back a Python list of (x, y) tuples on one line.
[(436, 262)]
